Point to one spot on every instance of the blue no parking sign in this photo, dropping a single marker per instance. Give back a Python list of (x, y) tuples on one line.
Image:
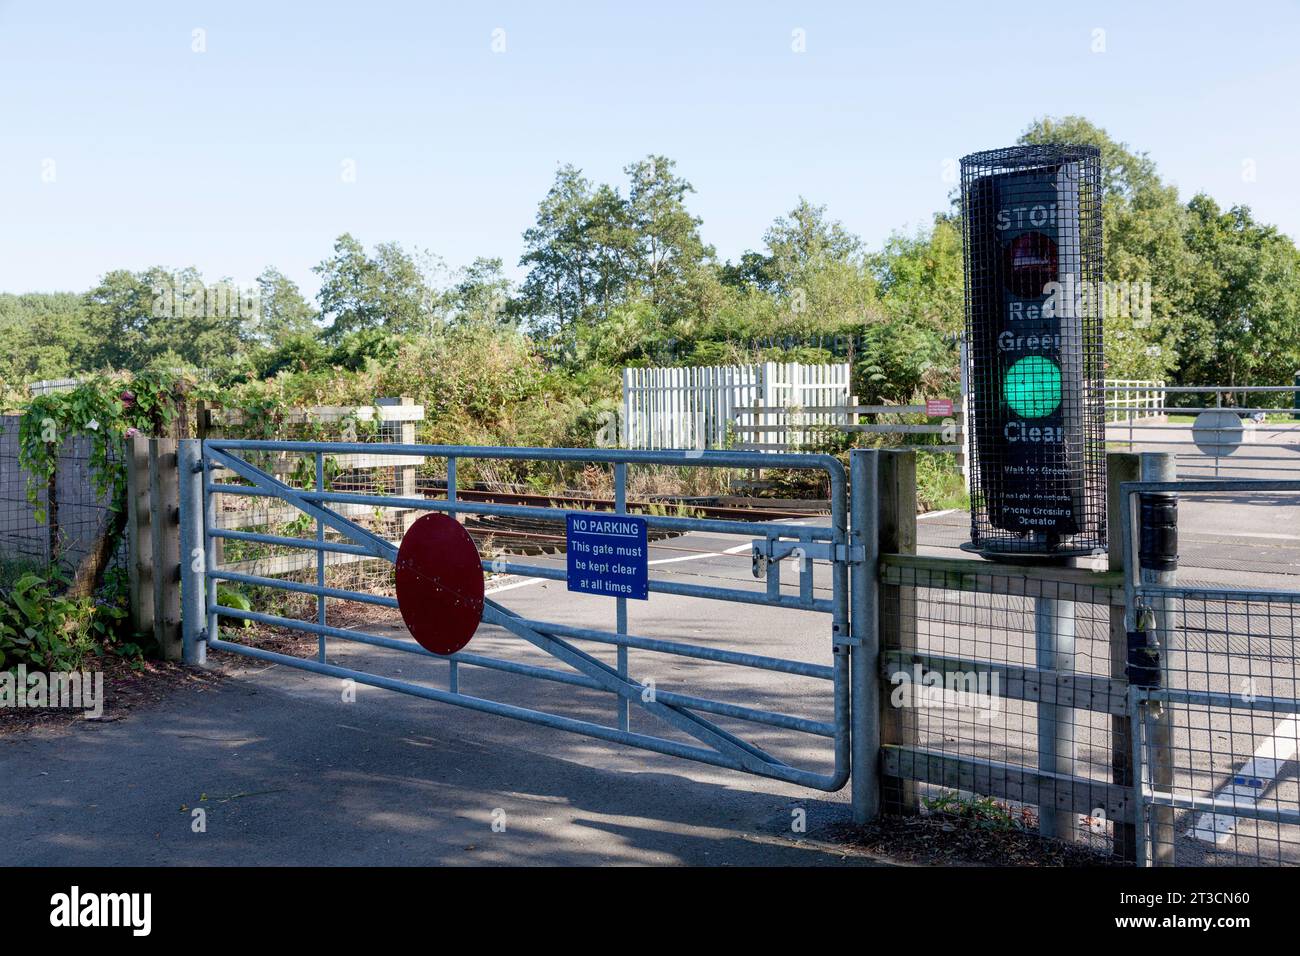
[(608, 554)]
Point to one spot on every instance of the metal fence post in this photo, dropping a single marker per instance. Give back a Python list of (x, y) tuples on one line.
[(193, 558), (1054, 634), (620, 603), (864, 617), (321, 610), (1160, 466), (1120, 467)]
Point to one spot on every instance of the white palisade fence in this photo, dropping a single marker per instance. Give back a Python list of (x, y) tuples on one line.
[(695, 407)]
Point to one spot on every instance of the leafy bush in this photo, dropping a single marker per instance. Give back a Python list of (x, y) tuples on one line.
[(41, 629), (939, 484)]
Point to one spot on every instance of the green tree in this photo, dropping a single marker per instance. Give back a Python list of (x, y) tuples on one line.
[(284, 313), (42, 336), (388, 290), (165, 317), (481, 295), (667, 242), (1243, 327), (557, 290)]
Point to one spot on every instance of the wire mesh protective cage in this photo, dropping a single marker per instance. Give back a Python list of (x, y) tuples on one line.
[(1031, 230)]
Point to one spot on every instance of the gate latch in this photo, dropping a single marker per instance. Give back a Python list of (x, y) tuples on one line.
[(764, 551)]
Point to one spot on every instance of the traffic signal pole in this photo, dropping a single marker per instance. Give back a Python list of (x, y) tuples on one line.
[(1054, 631)]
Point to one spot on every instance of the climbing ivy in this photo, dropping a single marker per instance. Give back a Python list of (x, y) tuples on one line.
[(106, 409)]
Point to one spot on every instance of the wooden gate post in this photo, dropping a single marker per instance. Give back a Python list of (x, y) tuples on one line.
[(896, 523), (164, 509), (139, 536)]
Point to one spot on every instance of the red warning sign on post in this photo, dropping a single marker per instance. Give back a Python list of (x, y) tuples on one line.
[(439, 584), (938, 407)]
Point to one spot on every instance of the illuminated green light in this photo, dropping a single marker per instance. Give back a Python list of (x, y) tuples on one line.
[(1033, 387)]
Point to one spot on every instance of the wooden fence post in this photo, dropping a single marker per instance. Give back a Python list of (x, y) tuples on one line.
[(138, 534), (896, 522), (164, 492), (1120, 467)]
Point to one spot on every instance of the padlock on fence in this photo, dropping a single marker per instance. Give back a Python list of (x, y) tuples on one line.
[(1144, 669)]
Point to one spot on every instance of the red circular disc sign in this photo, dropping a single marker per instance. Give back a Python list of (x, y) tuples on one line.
[(439, 583)]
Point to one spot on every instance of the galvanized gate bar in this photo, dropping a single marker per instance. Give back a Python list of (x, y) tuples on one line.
[(750, 757), (804, 725), (371, 542)]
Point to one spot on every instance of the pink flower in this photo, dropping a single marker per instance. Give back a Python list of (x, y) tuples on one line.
[(132, 432)]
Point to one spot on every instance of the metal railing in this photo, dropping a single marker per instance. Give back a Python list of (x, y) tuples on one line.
[(1266, 448), (335, 533)]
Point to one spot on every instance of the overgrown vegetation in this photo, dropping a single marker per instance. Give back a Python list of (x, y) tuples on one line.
[(981, 813)]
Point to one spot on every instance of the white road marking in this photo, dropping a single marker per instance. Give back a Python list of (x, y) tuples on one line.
[(1249, 783), (936, 514), (711, 554), (1248, 534)]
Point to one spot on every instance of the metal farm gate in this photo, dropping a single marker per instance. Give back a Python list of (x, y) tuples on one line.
[(218, 476), (1112, 706)]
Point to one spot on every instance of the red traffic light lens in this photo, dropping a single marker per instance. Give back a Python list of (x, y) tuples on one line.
[(1031, 263)]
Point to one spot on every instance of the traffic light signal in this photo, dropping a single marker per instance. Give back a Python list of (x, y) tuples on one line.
[(1032, 239)]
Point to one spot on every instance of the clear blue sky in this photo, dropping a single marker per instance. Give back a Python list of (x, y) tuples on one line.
[(231, 159)]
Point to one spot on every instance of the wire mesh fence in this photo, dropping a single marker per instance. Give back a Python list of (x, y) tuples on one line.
[(1015, 684), (999, 685), (51, 525), (1222, 754)]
